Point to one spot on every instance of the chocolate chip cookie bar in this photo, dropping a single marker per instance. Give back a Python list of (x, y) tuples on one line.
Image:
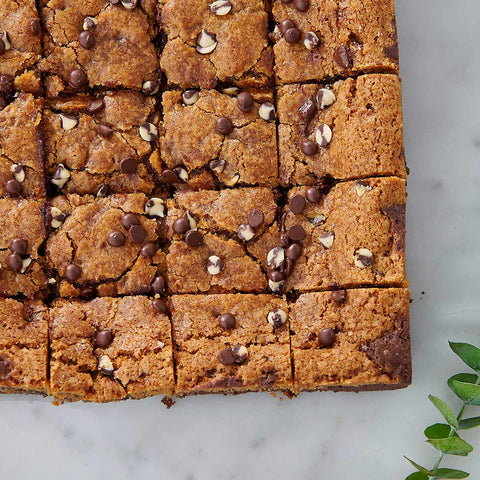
[(216, 42), (106, 246), (322, 39), (351, 129), (21, 155), (22, 230), (23, 347), (102, 145), (230, 343), (99, 44), (219, 139), (20, 48), (109, 349), (351, 340)]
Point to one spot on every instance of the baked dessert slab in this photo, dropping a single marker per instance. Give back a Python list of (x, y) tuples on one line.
[(21, 153), (209, 44), (218, 143), (23, 347), (351, 340), (104, 144), (109, 349), (364, 137), (333, 37), (230, 343), (106, 246)]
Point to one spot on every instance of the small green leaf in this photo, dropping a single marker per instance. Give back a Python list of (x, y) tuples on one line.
[(463, 377), (418, 476), (468, 353), (468, 392), (438, 430), (419, 467), (469, 423), (451, 446), (449, 473), (445, 410)]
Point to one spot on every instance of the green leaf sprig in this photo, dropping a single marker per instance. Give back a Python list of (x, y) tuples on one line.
[(444, 436)]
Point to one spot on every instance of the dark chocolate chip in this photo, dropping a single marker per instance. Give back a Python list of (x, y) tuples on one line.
[(5, 367), (7, 87), (276, 276), (14, 262), (158, 285), (256, 218), (86, 40), (293, 35), (96, 105), (294, 251), (325, 184), (3, 102), (326, 337), (342, 57), (13, 188), (245, 101), (136, 233), (148, 250), (224, 126), (35, 27), (309, 147), (391, 52), (105, 131), (297, 204), (286, 25), (19, 246), (77, 78), (159, 305), (226, 321), (104, 338), (168, 177), (301, 5), (128, 165), (339, 296), (103, 191), (308, 109), (128, 220), (193, 238), (72, 272), (289, 266), (217, 165), (314, 195), (240, 354), (296, 233), (116, 239), (284, 240), (181, 225), (226, 357)]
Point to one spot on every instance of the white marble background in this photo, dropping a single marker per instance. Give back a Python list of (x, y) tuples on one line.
[(321, 435)]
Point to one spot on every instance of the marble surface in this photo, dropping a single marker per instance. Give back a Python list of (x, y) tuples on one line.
[(319, 435)]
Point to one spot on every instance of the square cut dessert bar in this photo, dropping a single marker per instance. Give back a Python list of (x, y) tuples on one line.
[(350, 234), (350, 129), (212, 42), (109, 349), (220, 140), (23, 347), (106, 246), (351, 340), (99, 44), (101, 145), (20, 48), (21, 155), (230, 343), (22, 270), (322, 39), (213, 240)]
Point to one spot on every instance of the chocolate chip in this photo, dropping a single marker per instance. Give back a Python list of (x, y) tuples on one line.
[(95, 106), (116, 239), (69, 122), (193, 238), (266, 111), (221, 7), (292, 35), (217, 166), (226, 357), (339, 296), (311, 41), (181, 225), (245, 232), (158, 285), (190, 97), (88, 292), (128, 220), (325, 184), (327, 239), (256, 218), (232, 90), (206, 42), (57, 217), (308, 109), (72, 272), (7, 87), (77, 78), (301, 5), (3, 102), (5, 367), (13, 188), (296, 233), (363, 258), (226, 321), (276, 258), (129, 4), (35, 27), (159, 305), (86, 40), (104, 338), (105, 131), (148, 250), (326, 337), (342, 57), (181, 173), (277, 317), (169, 177), (155, 207), (18, 172), (391, 52), (128, 165), (148, 132), (224, 126), (214, 265), (323, 135), (14, 262), (286, 25), (150, 87), (88, 23), (245, 101), (276, 276), (103, 191), (19, 245), (309, 147), (240, 354), (284, 240), (297, 204), (362, 187), (105, 365), (294, 251), (136, 233), (325, 98)]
